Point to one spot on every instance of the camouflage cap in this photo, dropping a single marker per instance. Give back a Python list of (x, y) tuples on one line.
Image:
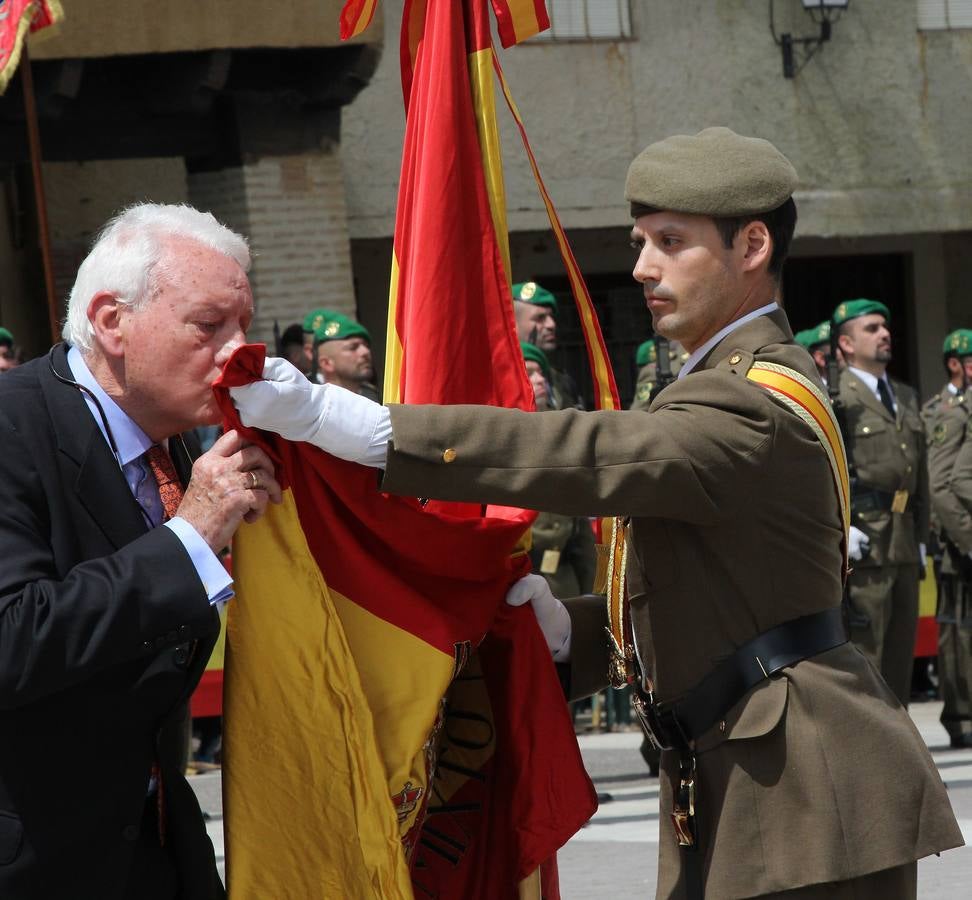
[(713, 173), (853, 309), (338, 327), (958, 343), (533, 353), (315, 318), (531, 292), (6, 337), (646, 353)]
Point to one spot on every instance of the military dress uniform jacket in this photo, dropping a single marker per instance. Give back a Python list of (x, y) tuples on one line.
[(105, 630), (946, 418), (889, 455), (817, 774)]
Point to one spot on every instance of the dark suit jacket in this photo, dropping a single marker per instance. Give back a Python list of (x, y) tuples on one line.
[(105, 629)]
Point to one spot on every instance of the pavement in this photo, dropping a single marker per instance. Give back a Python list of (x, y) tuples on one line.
[(615, 854)]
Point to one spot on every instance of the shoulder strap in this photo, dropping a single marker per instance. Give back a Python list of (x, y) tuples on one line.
[(801, 396)]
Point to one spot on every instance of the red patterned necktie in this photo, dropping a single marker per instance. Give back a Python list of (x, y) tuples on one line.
[(170, 493), (170, 488)]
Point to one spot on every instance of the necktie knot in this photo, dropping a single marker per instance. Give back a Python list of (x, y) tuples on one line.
[(170, 488)]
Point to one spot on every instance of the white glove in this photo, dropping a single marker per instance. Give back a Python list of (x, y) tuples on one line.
[(923, 556), (338, 421), (857, 544), (552, 615)]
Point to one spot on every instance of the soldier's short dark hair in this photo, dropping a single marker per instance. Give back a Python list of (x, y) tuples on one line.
[(780, 223)]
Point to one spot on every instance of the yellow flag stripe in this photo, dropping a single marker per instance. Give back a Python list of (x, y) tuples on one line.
[(484, 106), (307, 796), (394, 352)]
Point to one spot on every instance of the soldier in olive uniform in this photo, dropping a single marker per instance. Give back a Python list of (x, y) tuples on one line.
[(886, 443), (535, 309), (816, 341), (946, 418), (342, 349), (646, 359), (791, 765)]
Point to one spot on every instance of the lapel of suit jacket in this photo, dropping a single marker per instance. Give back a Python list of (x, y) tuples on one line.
[(100, 485), (866, 396)]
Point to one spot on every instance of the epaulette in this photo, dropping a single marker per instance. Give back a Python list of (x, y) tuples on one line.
[(739, 362)]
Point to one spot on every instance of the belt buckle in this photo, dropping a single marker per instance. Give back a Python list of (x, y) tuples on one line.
[(683, 813), (900, 502)]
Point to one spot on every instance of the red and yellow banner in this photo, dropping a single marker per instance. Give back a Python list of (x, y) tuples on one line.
[(355, 612), (17, 18)]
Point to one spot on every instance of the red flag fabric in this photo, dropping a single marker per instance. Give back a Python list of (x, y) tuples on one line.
[(17, 17)]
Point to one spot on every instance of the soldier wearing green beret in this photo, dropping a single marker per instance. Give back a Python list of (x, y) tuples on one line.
[(646, 359), (312, 321), (946, 417), (788, 763), (9, 352), (889, 499), (342, 349), (816, 341), (535, 309)]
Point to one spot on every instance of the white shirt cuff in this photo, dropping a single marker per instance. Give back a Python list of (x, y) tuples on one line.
[(216, 581), (377, 453)]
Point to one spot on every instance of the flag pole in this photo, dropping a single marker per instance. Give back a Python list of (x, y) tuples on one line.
[(40, 201)]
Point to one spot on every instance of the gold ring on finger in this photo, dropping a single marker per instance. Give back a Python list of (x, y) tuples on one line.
[(254, 481)]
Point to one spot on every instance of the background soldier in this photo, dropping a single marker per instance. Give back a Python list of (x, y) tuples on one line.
[(946, 418), (816, 341), (535, 309), (885, 439), (312, 321), (342, 348), (646, 359)]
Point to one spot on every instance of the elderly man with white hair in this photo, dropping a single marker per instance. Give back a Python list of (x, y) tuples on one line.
[(109, 535)]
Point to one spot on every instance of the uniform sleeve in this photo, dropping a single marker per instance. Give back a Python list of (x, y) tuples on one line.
[(922, 494), (960, 481), (688, 460), (58, 629)]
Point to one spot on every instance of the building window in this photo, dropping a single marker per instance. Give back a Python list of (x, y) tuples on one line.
[(939, 15), (587, 20)]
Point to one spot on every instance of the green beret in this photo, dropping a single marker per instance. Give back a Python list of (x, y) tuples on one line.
[(713, 173), (853, 309), (315, 318), (646, 353), (6, 337), (337, 327), (814, 337), (805, 338), (533, 353), (531, 292), (958, 343)]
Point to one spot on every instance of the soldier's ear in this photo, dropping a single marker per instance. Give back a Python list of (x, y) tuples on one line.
[(756, 244)]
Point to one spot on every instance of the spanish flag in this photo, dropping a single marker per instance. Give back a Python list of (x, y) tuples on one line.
[(17, 18), (347, 773)]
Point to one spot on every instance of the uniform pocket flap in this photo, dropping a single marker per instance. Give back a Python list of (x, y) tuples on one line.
[(758, 713), (11, 837), (869, 427)]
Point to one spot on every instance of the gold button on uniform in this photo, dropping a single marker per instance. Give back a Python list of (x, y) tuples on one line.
[(735, 359), (448, 455), (866, 430)]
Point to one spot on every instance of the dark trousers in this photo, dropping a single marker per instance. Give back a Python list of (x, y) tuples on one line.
[(153, 875)]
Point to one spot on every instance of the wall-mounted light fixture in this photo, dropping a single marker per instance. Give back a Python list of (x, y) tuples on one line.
[(824, 13)]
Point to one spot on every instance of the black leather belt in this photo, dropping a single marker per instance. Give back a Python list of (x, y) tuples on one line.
[(873, 500), (674, 725)]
